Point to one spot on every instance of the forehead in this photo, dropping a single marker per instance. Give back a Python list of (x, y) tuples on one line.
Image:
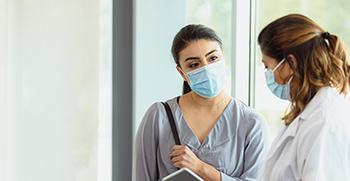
[(199, 48), (268, 59)]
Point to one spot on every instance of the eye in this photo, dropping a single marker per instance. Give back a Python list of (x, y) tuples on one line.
[(266, 67), (193, 65), (213, 58)]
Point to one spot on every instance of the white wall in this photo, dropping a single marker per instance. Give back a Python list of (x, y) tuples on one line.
[(3, 55), (49, 85)]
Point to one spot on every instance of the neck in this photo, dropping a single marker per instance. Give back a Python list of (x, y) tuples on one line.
[(208, 102)]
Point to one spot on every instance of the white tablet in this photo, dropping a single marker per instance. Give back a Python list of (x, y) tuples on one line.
[(184, 174)]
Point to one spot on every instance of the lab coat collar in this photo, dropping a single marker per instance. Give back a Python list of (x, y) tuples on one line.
[(288, 132), (323, 94)]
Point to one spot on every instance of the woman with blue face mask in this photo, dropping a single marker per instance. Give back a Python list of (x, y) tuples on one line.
[(309, 67), (221, 138)]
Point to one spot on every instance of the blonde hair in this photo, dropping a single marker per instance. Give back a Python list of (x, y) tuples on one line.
[(322, 58)]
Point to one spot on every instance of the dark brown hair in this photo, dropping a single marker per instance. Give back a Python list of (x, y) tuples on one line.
[(185, 36), (322, 58)]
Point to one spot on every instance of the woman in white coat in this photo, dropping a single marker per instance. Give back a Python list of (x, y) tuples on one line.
[(310, 67)]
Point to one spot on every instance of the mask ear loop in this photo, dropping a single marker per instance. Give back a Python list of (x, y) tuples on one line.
[(187, 79), (278, 65), (290, 79)]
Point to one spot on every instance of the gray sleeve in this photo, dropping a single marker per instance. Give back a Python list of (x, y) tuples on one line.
[(146, 142), (257, 145)]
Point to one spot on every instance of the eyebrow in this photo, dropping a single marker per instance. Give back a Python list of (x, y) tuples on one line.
[(207, 54)]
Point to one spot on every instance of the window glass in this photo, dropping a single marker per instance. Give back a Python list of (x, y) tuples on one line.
[(333, 16)]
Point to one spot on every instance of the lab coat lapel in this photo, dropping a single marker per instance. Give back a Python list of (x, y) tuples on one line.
[(289, 132), (286, 133)]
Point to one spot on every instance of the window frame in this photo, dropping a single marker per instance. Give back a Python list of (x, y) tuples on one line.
[(243, 65)]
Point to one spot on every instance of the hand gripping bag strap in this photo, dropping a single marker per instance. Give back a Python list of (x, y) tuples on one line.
[(172, 123)]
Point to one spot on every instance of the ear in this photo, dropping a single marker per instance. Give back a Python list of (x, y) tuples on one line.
[(293, 60), (181, 73)]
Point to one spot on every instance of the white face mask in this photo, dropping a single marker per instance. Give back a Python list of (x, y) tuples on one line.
[(281, 91), (208, 81)]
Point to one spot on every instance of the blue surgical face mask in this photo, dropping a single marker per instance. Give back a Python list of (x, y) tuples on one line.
[(281, 91), (208, 81)]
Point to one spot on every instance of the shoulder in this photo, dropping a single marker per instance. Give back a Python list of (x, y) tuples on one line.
[(331, 113), (328, 121), (153, 119), (149, 123), (328, 104), (248, 118), (323, 133), (157, 112), (257, 126), (337, 107), (249, 115), (153, 111), (242, 109)]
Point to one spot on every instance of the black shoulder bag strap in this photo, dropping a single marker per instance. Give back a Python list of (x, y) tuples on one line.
[(172, 123)]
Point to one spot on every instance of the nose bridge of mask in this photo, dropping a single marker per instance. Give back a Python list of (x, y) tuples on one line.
[(213, 68), (189, 75), (210, 66), (278, 65)]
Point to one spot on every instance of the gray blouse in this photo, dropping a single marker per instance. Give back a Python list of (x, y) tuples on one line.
[(236, 146)]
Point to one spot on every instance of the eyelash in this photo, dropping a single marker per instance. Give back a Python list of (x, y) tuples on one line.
[(193, 65), (213, 58)]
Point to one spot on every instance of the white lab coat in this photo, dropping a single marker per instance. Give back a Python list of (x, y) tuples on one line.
[(315, 146)]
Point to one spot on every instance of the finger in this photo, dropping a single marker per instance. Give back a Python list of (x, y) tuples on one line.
[(172, 156), (177, 153), (177, 159), (178, 163), (179, 147)]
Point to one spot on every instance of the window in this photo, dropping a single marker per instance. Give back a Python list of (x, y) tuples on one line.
[(333, 16), (238, 23)]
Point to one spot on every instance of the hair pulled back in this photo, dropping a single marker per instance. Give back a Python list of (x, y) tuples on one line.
[(185, 36), (322, 58)]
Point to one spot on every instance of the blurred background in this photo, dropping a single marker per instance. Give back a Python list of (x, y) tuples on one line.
[(77, 76)]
